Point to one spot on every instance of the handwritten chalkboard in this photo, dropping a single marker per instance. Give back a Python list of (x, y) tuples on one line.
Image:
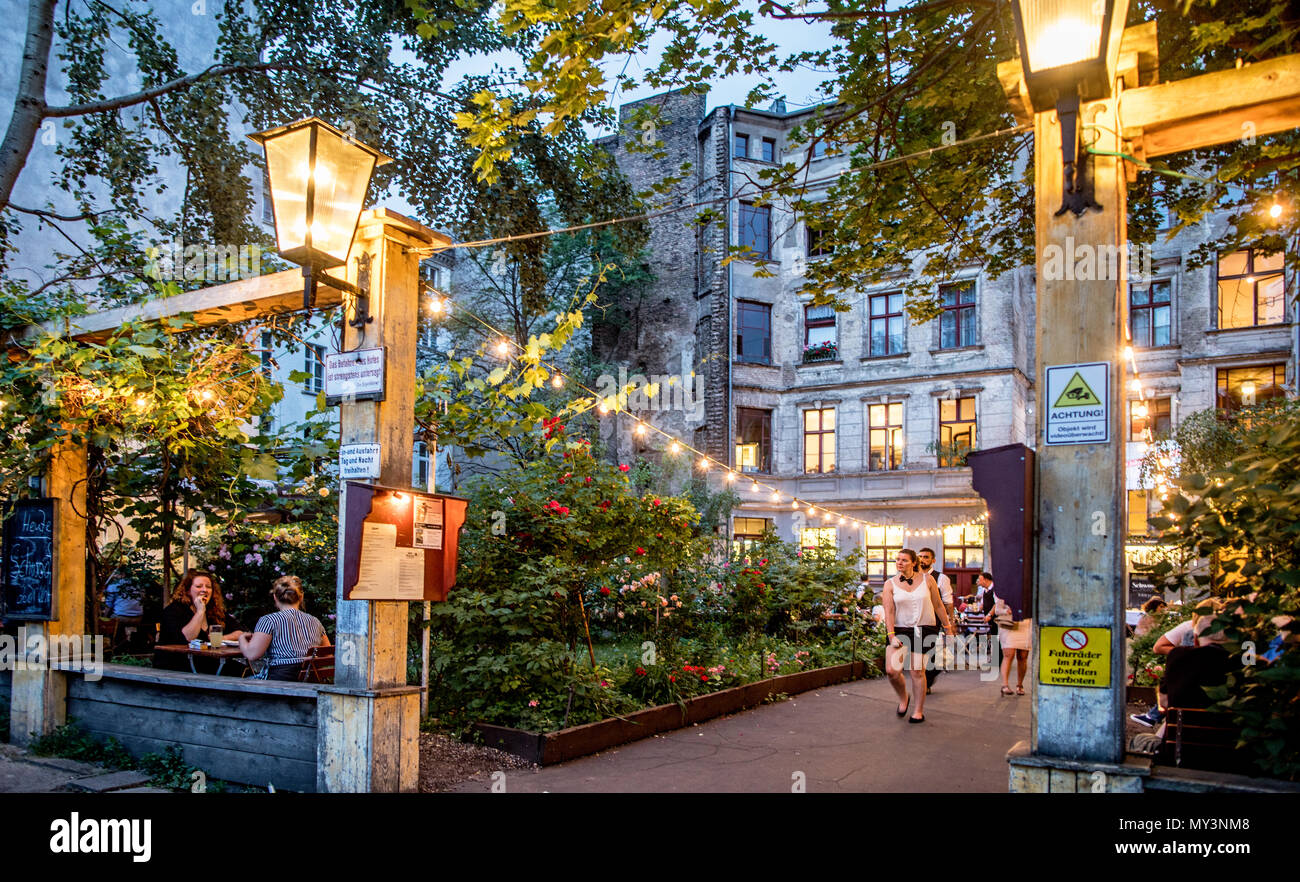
[(29, 561)]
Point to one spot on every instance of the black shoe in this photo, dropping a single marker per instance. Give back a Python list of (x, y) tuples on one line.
[(903, 712), (920, 719)]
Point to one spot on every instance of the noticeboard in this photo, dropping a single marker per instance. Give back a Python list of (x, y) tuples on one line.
[(29, 561), (1074, 656), (399, 544)]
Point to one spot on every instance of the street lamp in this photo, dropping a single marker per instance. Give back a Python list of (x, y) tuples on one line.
[(1069, 50), (319, 178)]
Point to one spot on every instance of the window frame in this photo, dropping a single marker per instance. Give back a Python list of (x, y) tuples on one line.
[(891, 429), (831, 321), (737, 139), (744, 307), (1222, 379), (763, 145), (819, 433), (314, 367), (755, 210), (887, 551), (1151, 307), (1254, 279), (886, 317), (955, 313), (741, 542), (820, 548), (764, 418), (813, 243), (965, 547), (1155, 415), (973, 422)]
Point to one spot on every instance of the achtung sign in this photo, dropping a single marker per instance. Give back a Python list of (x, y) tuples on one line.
[(1074, 656), (1078, 403)]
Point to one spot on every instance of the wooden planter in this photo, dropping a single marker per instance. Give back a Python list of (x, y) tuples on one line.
[(548, 748), (1141, 694)]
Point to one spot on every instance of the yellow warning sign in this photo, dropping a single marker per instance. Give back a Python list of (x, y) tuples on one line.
[(1074, 656), (1077, 393)]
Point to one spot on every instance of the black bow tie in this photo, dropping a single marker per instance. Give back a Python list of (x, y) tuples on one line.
[(905, 579)]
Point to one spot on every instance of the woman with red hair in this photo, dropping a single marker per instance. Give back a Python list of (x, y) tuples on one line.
[(196, 605)]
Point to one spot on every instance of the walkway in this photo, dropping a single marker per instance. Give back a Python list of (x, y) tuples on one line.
[(843, 739)]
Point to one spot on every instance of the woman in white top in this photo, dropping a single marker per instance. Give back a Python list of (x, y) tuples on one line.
[(912, 602)]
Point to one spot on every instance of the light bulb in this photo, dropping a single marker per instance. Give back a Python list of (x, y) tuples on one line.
[(753, 487), (640, 429), (674, 448), (557, 381), (1275, 211), (731, 476), (1128, 352), (603, 408), (1136, 386), (436, 306), (503, 348), (704, 464)]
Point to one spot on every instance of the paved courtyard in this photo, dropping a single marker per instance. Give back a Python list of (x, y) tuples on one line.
[(841, 739)]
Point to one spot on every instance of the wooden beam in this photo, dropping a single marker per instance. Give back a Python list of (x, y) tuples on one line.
[(1214, 108)]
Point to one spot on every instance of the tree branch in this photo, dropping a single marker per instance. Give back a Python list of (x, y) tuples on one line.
[(217, 70), (788, 12)]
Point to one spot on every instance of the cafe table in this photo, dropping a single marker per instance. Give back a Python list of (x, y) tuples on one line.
[(229, 649)]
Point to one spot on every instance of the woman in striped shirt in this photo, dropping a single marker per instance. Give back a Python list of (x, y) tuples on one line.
[(286, 636)]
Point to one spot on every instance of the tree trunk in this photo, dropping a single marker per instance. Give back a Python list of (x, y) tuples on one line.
[(29, 104)]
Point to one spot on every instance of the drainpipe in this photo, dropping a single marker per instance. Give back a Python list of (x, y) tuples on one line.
[(728, 440)]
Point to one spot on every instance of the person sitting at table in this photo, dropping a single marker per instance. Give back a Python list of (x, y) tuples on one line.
[(286, 636), (197, 604)]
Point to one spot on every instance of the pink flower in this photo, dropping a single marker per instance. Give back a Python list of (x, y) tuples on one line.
[(654, 502), (603, 683), (533, 703), (587, 480)]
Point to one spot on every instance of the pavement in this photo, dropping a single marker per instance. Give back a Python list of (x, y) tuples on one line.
[(839, 739), (20, 772)]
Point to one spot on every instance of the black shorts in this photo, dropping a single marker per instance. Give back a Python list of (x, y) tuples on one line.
[(917, 640)]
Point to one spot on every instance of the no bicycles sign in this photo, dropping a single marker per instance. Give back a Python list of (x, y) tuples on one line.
[(1074, 656)]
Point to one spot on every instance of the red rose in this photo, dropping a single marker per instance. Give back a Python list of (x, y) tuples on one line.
[(640, 550), (586, 480), (556, 595), (640, 672), (622, 467), (703, 679), (604, 589), (561, 480), (654, 502), (564, 509), (659, 535), (672, 679)]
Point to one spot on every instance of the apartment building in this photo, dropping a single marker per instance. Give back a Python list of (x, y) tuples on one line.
[(867, 413)]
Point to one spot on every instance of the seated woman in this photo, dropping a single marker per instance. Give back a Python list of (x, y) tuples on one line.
[(196, 605), (284, 637)]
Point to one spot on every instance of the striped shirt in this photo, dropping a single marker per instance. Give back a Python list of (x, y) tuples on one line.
[(293, 634)]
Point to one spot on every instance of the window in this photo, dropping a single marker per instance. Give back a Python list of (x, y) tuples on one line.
[(819, 440), (819, 149), (819, 343), (883, 545), (768, 147), (753, 440), (742, 146), (753, 332), (818, 541), (887, 324), (420, 465), (1251, 289), (267, 362), (963, 547), (1248, 386), (314, 366), (1142, 506), (956, 431), (957, 323), (816, 243), (1148, 314), (268, 208), (756, 229), (886, 436), (1153, 413), (747, 531)]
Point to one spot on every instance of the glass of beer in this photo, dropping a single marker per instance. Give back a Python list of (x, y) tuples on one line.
[(215, 636)]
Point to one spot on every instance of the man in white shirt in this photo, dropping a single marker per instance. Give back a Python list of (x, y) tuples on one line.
[(925, 560)]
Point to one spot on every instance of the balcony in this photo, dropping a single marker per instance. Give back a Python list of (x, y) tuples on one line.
[(829, 351)]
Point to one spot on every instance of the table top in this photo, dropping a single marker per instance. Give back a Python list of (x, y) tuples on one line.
[(223, 652)]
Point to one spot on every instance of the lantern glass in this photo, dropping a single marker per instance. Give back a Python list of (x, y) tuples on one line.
[(319, 178), (1062, 32)]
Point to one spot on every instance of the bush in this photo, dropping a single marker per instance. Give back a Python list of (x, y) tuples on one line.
[(1149, 668)]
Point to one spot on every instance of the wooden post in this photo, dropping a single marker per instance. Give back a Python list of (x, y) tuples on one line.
[(368, 721), (1080, 486), (38, 703)]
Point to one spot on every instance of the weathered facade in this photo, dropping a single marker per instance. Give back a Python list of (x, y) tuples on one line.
[(864, 412)]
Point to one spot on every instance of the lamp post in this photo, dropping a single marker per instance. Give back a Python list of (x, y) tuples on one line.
[(1069, 50), (319, 179)]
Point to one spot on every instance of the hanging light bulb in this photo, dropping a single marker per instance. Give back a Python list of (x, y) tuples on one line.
[(1128, 352), (674, 448), (753, 487), (436, 306), (1275, 210), (603, 408), (1136, 385), (557, 380), (841, 520), (704, 464), (503, 348), (640, 429), (731, 476)]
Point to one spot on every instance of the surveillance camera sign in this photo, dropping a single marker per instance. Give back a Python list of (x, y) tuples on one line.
[(1078, 403)]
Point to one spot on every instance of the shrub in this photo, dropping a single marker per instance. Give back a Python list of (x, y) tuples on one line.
[(1148, 668)]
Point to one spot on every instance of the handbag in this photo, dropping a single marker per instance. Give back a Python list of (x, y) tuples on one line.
[(1002, 616)]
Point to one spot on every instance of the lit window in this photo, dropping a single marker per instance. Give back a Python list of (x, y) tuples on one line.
[(1149, 314), (956, 431), (887, 324), (755, 230), (957, 323), (1249, 386), (745, 532), (886, 436), (819, 440), (818, 541), (753, 440), (1154, 412), (963, 547), (883, 545), (753, 332), (1251, 289), (1142, 506)]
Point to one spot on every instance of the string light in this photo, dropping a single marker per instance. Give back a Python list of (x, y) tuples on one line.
[(503, 348), (753, 486), (436, 306), (640, 429), (675, 448), (731, 476), (704, 464), (1275, 211), (557, 380)]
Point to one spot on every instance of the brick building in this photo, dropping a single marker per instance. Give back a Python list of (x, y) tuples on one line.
[(867, 413)]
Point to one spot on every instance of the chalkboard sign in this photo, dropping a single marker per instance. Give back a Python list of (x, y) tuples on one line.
[(29, 561), (1141, 588)]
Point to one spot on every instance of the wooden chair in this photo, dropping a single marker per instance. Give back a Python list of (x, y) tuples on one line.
[(1198, 739), (319, 666)]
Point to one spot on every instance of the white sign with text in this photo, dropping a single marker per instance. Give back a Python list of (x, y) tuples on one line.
[(354, 376), (358, 461)]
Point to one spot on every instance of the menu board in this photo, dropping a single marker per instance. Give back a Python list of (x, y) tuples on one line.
[(29, 561), (399, 544)]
